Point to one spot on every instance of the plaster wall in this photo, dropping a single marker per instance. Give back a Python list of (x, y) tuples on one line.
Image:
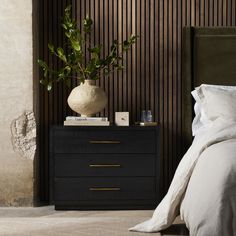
[(17, 123)]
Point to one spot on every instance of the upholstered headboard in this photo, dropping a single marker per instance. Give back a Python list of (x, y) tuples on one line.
[(209, 57)]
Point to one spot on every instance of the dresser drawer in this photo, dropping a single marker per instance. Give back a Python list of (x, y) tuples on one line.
[(79, 189), (76, 165), (104, 141)]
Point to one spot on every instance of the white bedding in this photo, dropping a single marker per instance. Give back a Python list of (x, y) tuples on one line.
[(209, 205), (211, 211)]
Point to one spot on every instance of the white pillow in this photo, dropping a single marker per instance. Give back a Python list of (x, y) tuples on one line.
[(196, 124), (206, 109), (200, 120), (218, 102)]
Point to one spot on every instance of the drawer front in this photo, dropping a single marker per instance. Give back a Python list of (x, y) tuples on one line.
[(113, 141), (72, 166), (79, 189)]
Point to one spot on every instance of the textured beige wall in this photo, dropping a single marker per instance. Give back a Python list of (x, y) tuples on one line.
[(17, 136)]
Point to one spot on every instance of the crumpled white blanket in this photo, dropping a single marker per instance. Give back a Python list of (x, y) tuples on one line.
[(220, 130), (209, 204)]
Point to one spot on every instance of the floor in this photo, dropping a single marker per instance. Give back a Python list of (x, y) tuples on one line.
[(45, 221)]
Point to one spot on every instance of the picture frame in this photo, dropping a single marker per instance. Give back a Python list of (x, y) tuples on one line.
[(122, 118)]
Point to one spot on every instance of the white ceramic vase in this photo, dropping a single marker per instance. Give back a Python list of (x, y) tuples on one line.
[(87, 99)]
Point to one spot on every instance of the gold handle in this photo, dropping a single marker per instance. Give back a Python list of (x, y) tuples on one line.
[(105, 189), (104, 165), (104, 142)]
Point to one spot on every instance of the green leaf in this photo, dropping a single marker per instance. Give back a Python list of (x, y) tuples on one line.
[(120, 67), (95, 49), (45, 74), (113, 47), (43, 82), (46, 83), (61, 54), (60, 51), (98, 64), (67, 70), (42, 63), (94, 76), (61, 76), (126, 45), (64, 26), (68, 34), (87, 23), (133, 38), (76, 45), (68, 9), (49, 86), (51, 47), (106, 71)]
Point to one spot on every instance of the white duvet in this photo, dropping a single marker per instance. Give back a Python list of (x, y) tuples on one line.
[(203, 189)]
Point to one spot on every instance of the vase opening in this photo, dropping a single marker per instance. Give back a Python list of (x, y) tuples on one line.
[(89, 82)]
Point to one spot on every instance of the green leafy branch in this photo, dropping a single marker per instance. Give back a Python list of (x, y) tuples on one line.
[(74, 60)]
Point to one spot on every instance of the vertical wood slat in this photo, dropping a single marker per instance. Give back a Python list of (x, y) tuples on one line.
[(120, 37), (138, 59), (133, 63), (152, 79)]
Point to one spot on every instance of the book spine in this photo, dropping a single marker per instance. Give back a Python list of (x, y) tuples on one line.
[(75, 118), (85, 123)]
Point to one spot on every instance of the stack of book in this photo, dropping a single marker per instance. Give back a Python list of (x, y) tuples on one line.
[(86, 121)]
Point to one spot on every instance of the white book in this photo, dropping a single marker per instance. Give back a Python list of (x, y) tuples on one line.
[(85, 123), (79, 118)]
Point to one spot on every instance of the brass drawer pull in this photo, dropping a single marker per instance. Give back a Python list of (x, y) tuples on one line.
[(104, 142), (104, 165), (105, 189)]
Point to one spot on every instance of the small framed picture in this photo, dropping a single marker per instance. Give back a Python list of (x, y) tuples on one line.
[(122, 118)]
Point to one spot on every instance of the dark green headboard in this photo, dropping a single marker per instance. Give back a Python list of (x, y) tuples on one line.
[(209, 57)]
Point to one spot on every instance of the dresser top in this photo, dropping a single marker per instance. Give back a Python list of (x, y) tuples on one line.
[(134, 127)]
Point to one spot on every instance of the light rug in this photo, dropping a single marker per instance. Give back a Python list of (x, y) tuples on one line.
[(44, 221)]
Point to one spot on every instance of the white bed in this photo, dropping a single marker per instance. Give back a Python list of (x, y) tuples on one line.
[(209, 204), (203, 190)]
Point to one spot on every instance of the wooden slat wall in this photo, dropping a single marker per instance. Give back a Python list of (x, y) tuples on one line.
[(152, 79)]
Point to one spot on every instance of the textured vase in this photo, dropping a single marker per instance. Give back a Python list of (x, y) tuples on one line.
[(87, 99)]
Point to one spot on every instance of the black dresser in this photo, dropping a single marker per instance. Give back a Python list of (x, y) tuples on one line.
[(104, 167)]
